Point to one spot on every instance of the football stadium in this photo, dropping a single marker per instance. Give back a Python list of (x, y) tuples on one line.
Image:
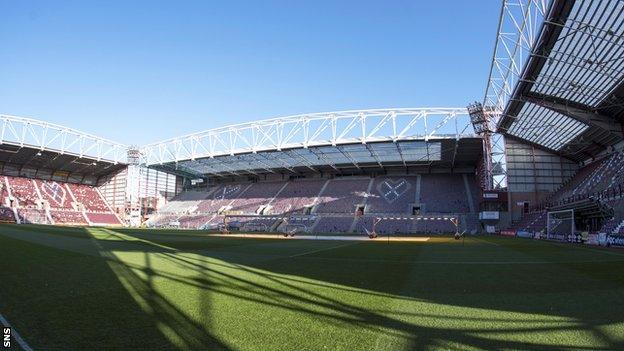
[(498, 225)]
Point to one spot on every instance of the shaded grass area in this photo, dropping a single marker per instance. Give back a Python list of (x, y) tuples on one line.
[(98, 288)]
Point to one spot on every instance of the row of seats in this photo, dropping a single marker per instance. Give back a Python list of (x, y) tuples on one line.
[(32, 216), (615, 225), (596, 178), (55, 193), (439, 193), (24, 190), (63, 199), (89, 197), (333, 224), (602, 179), (532, 222), (443, 192), (6, 213), (342, 195), (68, 217), (330, 200)]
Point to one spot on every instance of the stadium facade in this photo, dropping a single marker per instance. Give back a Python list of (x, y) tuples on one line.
[(540, 154)]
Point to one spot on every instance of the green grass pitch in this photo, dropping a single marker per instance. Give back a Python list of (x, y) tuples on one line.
[(111, 289)]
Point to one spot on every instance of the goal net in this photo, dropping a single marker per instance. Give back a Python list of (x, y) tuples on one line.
[(560, 224), (294, 228)]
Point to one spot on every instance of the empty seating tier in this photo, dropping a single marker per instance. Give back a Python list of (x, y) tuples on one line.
[(327, 206), (23, 189), (392, 195), (296, 196), (89, 197), (343, 195), (68, 217), (55, 193)]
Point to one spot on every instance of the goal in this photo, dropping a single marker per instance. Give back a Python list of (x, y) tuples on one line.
[(560, 224)]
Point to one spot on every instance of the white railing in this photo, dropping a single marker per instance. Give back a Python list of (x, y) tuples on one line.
[(317, 129), (28, 132)]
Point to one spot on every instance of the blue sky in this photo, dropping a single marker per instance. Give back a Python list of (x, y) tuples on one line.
[(142, 71)]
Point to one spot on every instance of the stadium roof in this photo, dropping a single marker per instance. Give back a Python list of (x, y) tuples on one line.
[(34, 144), (565, 93), (341, 141)]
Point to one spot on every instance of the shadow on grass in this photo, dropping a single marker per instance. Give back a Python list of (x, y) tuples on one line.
[(533, 299), (274, 282), (86, 299)]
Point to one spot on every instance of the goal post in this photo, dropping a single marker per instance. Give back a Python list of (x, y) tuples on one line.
[(560, 224), (453, 220)]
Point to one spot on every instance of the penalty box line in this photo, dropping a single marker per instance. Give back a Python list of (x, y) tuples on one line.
[(15, 334), (324, 249)]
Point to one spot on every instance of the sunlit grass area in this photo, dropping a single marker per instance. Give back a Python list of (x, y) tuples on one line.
[(97, 288)]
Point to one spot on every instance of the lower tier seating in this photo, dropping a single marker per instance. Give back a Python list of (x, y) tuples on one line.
[(7, 215), (103, 218), (68, 217)]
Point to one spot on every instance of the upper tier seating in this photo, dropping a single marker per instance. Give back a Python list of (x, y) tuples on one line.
[(343, 195), (392, 195), (23, 189)]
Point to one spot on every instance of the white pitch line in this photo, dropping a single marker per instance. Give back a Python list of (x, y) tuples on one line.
[(15, 334), (319, 250)]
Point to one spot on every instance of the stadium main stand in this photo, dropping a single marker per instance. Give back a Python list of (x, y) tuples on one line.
[(26, 200), (340, 205)]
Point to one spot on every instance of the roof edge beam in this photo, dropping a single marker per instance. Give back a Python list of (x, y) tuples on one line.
[(580, 113)]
